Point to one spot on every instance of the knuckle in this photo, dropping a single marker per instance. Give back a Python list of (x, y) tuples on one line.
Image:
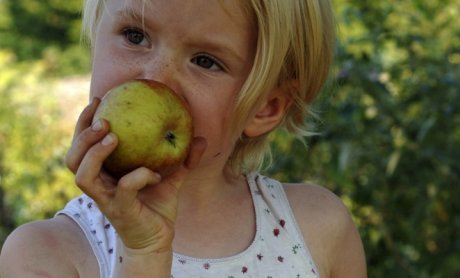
[(87, 142), (96, 153), (69, 163), (80, 142), (128, 182), (80, 180), (133, 180), (86, 137), (123, 183)]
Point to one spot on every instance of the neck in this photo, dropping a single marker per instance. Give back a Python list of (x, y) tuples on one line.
[(209, 209), (205, 187)]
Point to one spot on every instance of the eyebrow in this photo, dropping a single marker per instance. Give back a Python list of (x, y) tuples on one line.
[(130, 14)]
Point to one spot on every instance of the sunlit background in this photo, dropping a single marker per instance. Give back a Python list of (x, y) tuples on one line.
[(389, 125)]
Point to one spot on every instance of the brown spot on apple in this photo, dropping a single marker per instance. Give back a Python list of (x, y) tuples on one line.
[(171, 137)]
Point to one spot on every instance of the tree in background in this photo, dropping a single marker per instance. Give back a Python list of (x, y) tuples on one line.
[(44, 29), (390, 139), (30, 26), (34, 182), (389, 123), (39, 39)]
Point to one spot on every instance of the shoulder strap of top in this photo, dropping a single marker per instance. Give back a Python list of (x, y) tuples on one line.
[(98, 231), (278, 204)]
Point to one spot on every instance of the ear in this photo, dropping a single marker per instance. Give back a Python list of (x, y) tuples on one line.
[(270, 113)]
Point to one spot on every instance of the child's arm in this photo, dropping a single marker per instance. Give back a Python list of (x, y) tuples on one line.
[(50, 248), (328, 230)]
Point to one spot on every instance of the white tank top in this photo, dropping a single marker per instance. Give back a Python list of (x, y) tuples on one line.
[(278, 248)]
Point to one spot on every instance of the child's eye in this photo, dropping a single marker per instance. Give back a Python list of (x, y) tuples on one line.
[(135, 36), (207, 62)]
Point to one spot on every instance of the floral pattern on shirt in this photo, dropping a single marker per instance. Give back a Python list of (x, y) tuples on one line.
[(278, 250)]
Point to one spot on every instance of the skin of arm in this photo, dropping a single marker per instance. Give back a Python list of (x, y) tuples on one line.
[(41, 249), (328, 230)]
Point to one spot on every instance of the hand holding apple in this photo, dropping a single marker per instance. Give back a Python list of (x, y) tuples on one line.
[(141, 205)]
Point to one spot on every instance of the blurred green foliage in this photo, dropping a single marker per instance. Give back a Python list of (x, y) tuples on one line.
[(389, 121), (33, 141), (390, 141), (44, 29)]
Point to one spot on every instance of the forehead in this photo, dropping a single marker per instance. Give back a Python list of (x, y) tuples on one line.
[(201, 10)]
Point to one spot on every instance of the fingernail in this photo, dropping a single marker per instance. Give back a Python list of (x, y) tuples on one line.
[(97, 125), (108, 139)]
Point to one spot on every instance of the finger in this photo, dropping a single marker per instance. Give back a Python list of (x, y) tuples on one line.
[(129, 185), (197, 148), (88, 177), (83, 142), (86, 117)]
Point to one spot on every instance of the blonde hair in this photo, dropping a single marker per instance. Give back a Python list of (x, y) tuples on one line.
[(296, 41)]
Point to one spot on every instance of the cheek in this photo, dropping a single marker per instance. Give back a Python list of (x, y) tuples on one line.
[(99, 84), (102, 70), (111, 66), (108, 71), (212, 108), (212, 120)]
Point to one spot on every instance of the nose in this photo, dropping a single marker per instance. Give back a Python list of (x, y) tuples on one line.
[(164, 69)]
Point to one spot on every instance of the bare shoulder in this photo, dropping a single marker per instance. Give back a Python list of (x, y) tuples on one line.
[(328, 230), (48, 248)]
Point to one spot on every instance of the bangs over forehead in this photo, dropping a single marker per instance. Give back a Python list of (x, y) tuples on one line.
[(135, 9), (93, 10)]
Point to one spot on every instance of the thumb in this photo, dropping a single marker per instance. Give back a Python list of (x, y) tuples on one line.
[(197, 148)]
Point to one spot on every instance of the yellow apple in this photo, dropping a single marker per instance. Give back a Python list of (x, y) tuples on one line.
[(153, 125)]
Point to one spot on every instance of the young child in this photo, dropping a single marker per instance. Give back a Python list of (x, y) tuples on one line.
[(244, 68)]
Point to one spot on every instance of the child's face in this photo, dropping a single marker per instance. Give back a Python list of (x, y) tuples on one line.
[(202, 49)]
